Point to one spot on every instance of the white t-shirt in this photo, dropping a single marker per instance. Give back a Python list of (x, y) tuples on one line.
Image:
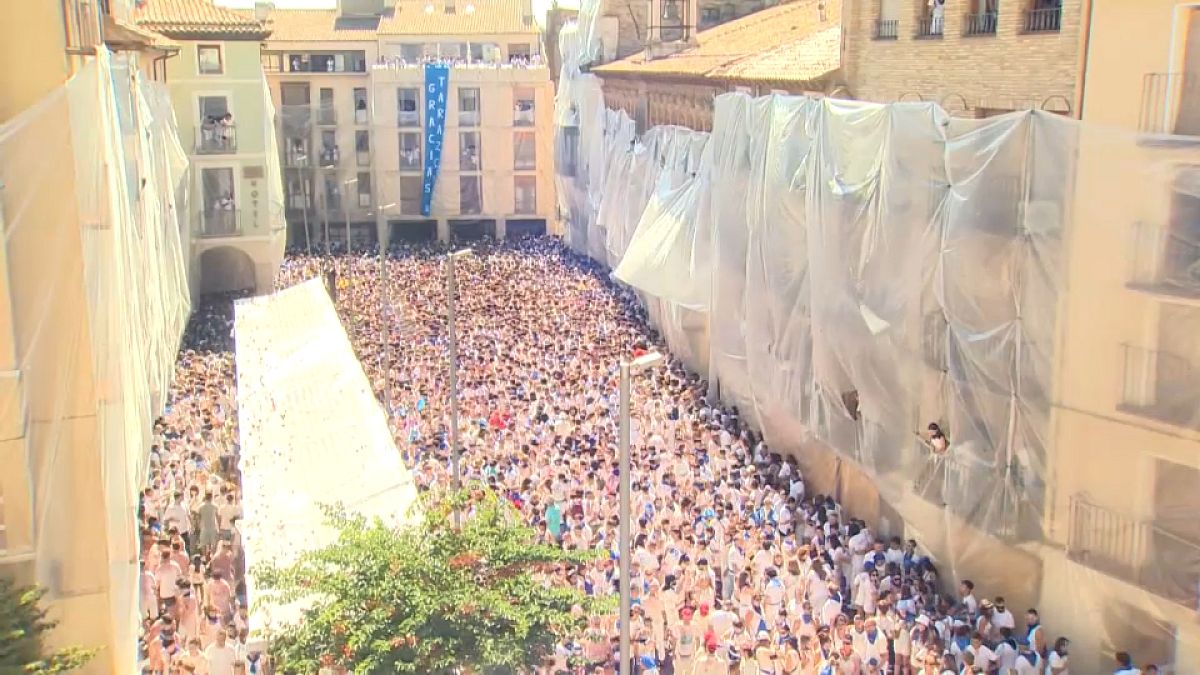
[(167, 575), (220, 659), (1057, 661), (1003, 619)]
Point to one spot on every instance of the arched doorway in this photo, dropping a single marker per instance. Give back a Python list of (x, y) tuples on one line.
[(226, 268)]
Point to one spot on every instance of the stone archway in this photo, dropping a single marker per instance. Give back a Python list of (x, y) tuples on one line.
[(226, 268)]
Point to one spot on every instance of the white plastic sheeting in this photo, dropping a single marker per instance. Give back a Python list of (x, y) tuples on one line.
[(846, 273), (312, 434), (97, 290)]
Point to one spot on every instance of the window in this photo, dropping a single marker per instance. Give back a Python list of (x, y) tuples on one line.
[(468, 151), (470, 195), (523, 106), (410, 195), (217, 191), (710, 16), (410, 151), (524, 195), (298, 194), (524, 150), (412, 52), (362, 147), (272, 62), (208, 60), (364, 189), (468, 107), (408, 107), (360, 105), (330, 155), (451, 50), (213, 107), (326, 114), (332, 194)]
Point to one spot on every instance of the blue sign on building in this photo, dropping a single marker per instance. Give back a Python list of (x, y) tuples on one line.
[(437, 78)]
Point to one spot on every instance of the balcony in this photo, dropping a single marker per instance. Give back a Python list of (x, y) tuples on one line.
[(983, 23), (330, 157), (216, 139), (1170, 104), (930, 28), (295, 154), (81, 20), (1135, 551), (887, 29), (468, 118), (1043, 20), (1166, 261), (523, 114), (1160, 386), (214, 223), (410, 159)]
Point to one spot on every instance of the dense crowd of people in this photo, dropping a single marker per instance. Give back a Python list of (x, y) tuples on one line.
[(192, 595), (737, 565)]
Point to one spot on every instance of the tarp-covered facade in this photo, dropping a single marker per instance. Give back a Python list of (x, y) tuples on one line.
[(847, 273), (96, 290)]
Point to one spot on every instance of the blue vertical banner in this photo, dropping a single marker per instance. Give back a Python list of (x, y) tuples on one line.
[(437, 78)]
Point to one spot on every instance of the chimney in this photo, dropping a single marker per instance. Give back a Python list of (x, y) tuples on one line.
[(262, 10)]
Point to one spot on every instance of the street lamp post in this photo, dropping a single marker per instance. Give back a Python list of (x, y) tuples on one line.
[(346, 211), (628, 369), (451, 302), (386, 354)]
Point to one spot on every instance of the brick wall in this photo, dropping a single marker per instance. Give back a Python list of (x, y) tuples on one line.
[(1012, 69), (662, 101)]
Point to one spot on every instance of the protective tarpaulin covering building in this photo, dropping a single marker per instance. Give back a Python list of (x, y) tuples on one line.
[(847, 273), (97, 299), (312, 435)]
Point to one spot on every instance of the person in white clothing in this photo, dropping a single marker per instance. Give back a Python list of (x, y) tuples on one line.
[(1059, 662), (221, 656)]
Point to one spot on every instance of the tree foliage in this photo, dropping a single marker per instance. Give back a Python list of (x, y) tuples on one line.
[(427, 598), (23, 627)]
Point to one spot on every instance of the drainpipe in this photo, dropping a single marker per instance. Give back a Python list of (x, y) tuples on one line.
[(1085, 30)]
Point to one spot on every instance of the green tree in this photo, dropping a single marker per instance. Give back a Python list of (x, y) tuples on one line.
[(427, 598), (23, 626)]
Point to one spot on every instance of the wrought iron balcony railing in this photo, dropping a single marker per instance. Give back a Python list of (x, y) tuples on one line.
[(930, 27), (887, 29), (216, 139), (1166, 260), (1170, 104), (1043, 20), (81, 20), (219, 222), (1136, 551), (1161, 386), (983, 23)]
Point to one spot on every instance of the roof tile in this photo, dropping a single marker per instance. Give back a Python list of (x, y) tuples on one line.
[(197, 19), (785, 43)]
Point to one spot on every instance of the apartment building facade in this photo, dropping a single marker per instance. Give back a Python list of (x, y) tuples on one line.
[(93, 301), (350, 90), (1123, 517), (223, 108), (973, 57)]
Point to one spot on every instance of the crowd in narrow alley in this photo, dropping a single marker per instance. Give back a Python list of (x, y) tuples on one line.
[(738, 566)]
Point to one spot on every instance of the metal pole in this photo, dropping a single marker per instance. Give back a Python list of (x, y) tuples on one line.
[(625, 508), (383, 309), (346, 212), (304, 212), (450, 306), (325, 218)]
